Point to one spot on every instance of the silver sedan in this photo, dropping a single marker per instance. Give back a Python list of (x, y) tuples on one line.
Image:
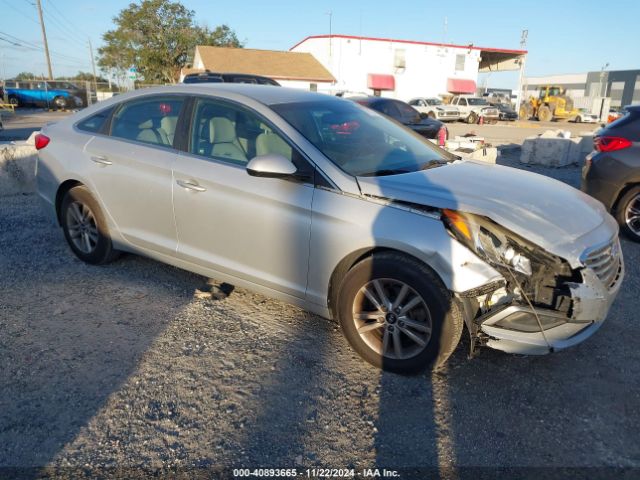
[(319, 202)]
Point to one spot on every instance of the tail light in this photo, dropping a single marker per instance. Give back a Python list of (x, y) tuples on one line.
[(610, 144), (41, 141)]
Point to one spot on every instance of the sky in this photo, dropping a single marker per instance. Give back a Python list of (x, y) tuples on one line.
[(564, 36)]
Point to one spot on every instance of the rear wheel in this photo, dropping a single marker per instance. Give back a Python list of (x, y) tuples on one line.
[(578, 119), (628, 213), (60, 103), (85, 227), (396, 313)]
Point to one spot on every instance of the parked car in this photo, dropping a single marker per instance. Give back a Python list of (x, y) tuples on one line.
[(434, 108), (497, 98), (472, 108), (585, 116), (41, 93), (612, 171), (213, 77), (322, 203), (506, 112), (615, 113), (405, 114)]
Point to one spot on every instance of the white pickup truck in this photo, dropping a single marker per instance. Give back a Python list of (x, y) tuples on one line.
[(472, 108), (434, 108)]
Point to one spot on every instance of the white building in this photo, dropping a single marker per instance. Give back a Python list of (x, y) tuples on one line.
[(403, 68)]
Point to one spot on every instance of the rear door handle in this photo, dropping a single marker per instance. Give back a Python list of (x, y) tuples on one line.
[(191, 185), (101, 160)]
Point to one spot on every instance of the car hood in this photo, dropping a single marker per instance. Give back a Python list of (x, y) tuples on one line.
[(548, 212)]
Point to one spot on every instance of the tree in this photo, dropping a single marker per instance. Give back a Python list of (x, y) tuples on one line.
[(158, 37), (25, 76)]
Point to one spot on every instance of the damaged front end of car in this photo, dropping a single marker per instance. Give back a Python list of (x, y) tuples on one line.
[(544, 302)]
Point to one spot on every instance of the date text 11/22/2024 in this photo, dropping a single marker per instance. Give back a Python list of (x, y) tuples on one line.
[(315, 473)]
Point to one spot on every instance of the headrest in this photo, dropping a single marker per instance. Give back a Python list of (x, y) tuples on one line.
[(221, 130), (146, 124)]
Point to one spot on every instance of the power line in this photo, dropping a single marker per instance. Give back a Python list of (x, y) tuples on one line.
[(19, 11), (34, 46), (66, 19), (62, 28)]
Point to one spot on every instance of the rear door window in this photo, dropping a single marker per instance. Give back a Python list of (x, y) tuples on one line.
[(151, 120)]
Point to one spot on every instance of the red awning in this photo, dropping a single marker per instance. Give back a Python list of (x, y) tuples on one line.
[(378, 81), (461, 85)]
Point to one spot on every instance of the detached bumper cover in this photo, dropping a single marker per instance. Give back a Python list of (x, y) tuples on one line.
[(591, 302)]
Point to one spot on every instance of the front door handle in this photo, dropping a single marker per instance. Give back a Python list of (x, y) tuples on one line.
[(101, 160), (191, 185)]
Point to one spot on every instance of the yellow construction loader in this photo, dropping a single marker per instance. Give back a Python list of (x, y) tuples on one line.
[(552, 103)]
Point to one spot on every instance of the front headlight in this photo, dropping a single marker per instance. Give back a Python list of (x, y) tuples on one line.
[(489, 241)]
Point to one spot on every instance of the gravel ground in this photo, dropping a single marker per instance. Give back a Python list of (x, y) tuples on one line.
[(122, 367)]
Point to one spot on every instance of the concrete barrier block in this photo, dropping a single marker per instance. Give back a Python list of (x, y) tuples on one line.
[(17, 168)]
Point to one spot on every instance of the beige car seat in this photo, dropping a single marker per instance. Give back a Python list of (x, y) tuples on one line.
[(149, 134), (271, 143), (224, 142), (168, 126)]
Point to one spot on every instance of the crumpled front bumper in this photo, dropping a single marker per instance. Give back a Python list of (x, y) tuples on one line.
[(591, 302)]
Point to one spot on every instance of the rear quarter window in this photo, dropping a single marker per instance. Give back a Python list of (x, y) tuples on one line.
[(95, 123)]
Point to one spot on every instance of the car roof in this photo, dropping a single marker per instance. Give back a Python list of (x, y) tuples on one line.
[(265, 94)]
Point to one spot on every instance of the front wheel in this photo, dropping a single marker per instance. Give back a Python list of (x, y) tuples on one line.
[(14, 101), (85, 227), (472, 118), (628, 213), (397, 315)]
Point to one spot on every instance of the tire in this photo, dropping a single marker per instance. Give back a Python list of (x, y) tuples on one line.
[(60, 103), (545, 114), (14, 101), (85, 227), (435, 310), (525, 112), (472, 118), (628, 213), (578, 120)]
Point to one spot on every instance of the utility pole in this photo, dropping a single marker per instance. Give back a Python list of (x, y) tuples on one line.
[(93, 66), (330, 13), (523, 45), (44, 39)]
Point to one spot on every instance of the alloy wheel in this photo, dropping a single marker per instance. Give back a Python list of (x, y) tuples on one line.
[(392, 318), (632, 215), (82, 227)]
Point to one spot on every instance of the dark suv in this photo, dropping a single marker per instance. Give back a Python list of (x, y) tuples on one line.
[(612, 172), (405, 114), (212, 77)]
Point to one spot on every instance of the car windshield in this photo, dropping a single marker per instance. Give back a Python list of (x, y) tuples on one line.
[(434, 101), (477, 101), (359, 140)]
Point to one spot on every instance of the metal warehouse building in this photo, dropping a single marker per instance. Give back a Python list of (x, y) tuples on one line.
[(404, 68), (622, 86)]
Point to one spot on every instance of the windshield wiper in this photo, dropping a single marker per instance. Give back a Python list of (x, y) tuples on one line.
[(433, 164), (388, 171)]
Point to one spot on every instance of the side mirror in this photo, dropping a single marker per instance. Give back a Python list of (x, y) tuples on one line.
[(271, 165)]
